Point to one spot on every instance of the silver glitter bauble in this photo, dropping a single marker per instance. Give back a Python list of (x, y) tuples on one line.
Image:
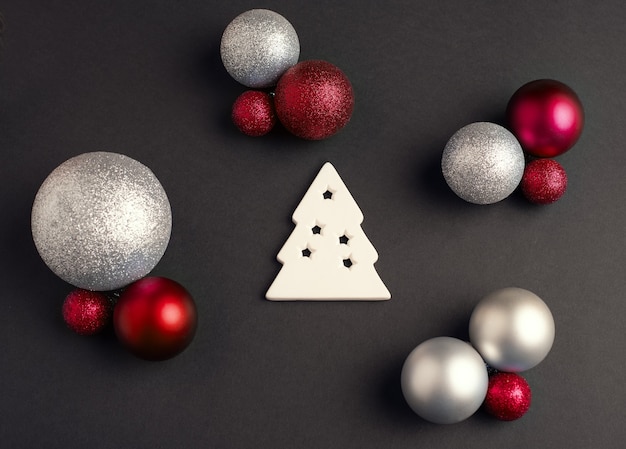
[(483, 163), (444, 380), (101, 221), (512, 329), (258, 46)]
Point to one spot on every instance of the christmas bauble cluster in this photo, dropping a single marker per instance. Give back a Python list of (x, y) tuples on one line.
[(484, 163), (101, 221), (446, 380), (312, 99)]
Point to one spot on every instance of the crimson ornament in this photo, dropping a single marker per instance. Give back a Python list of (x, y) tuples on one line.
[(155, 318), (544, 181), (86, 312), (314, 99), (253, 113), (508, 396), (546, 116)]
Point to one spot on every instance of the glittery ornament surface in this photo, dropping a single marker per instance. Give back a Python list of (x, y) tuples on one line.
[(258, 46), (253, 113), (483, 163), (101, 220), (314, 100), (508, 396), (544, 181), (87, 312)]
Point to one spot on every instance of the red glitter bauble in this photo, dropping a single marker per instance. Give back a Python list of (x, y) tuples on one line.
[(546, 116), (155, 318), (508, 396), (544, 181), (253, 113), (314, 100), (86, 312)]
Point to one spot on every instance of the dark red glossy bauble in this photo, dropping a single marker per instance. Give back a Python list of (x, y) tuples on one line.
[(253, 113), (87, 312), (508, 396), (546, 116), (155, 318), (314, 99), (544, 181)]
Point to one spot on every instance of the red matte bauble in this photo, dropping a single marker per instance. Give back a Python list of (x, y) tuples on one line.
[(155, 318), (546, 116), (314, 99), (544, 181), (253, 113), (86, 312), (508, 396)]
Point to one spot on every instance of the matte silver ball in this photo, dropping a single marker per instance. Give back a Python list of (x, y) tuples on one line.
[(512, 328), (101, 221), (258, 46), (444, 380), (483, 163)]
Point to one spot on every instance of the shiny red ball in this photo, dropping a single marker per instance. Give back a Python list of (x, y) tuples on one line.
[(544, 181), (155, 318), (314, 99), (253, 113), (86, 312), (508, 396), (546, 116)]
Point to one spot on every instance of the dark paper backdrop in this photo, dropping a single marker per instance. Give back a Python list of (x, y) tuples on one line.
[(144, 78)]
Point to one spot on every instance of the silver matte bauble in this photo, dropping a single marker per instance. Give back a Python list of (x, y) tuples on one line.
[(258, 46), (444, 380), (483, 163), (512, 328), (101, 221)]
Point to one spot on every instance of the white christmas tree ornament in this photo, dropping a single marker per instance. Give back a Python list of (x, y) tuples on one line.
[(327, 257)]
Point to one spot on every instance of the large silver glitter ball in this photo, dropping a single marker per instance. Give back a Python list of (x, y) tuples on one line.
[(101, 221), (258, 46), (512, 329), (483, 163), (444, 380)]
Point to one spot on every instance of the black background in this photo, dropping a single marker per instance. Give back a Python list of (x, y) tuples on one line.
[(144, 78)]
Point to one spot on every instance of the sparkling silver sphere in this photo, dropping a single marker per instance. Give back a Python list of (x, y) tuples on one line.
[(258, 46), (101, 221), (444, 380), (512, 328), (483, 163)]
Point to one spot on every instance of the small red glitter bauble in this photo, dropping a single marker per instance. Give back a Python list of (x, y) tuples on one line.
[(253, 113), (546, 116), (508, 396), (544, 181), (86, 312), (155, 318), (314, 99)]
